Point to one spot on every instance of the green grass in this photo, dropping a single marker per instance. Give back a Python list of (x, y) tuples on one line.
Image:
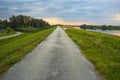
[(28, 29), (102, 50), (5, 34), (14, 49)]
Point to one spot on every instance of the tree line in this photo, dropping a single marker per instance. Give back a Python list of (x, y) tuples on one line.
[(21, 21), (103, 27)]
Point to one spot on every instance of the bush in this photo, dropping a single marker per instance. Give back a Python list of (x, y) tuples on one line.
[(28, 29), (9, 30)]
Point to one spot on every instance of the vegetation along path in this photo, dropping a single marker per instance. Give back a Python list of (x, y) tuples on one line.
[(56, 58), (5, 37)]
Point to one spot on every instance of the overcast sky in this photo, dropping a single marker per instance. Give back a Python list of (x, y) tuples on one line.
[(65, 11)]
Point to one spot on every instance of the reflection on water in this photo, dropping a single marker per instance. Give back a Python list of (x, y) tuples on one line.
[(112, 32)]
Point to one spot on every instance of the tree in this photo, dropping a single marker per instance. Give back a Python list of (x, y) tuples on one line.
[(21, 21)]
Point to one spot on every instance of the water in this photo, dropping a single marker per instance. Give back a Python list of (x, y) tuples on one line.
[(112, 32)]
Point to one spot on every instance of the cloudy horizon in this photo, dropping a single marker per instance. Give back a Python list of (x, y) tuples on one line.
[(74, 12)]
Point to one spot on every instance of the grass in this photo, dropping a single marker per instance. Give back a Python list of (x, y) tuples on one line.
[(28, 29), (102, 50), (5, 34), (14, 49)]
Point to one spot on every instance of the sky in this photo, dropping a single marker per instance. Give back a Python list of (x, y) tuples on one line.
[(69, 12)]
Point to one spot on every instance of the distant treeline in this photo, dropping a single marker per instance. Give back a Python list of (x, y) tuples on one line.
[(103, 27), (21, 21)]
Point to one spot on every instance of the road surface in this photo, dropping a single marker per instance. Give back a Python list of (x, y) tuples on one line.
[(5, 37), (56, 58)]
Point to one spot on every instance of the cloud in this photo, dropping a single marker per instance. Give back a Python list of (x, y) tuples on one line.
[(116, 17), (60, 21), (95, 11)]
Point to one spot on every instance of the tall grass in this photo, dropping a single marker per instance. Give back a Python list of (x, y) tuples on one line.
[(102, 50), (14, 49)]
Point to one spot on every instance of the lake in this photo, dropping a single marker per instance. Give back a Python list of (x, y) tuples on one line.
[(112, 32)]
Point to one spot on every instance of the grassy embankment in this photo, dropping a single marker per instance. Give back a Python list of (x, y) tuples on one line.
[(101, 49), (5, 34), (14, 49)]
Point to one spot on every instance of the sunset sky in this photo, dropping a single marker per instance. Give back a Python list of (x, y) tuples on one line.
[(74, 12)]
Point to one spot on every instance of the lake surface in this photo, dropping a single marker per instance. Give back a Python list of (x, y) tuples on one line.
[(112, 32)]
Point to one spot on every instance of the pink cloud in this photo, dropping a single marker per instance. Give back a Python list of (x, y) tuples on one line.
[(59, 21)]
